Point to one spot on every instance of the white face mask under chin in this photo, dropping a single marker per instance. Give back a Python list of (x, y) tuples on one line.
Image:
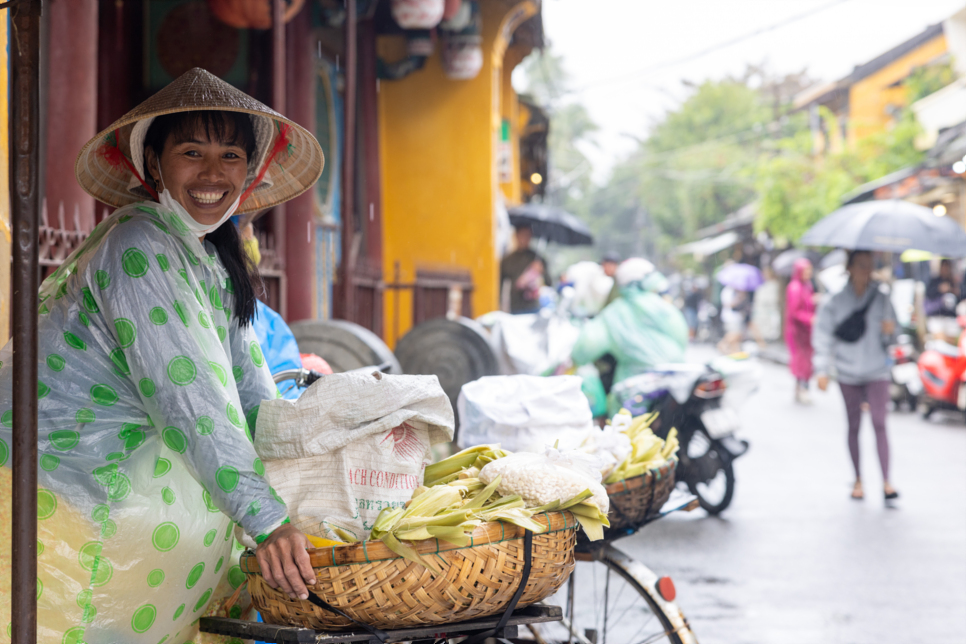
[(196, 227)]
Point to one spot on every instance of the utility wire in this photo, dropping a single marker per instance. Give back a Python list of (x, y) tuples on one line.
[(704, 52)]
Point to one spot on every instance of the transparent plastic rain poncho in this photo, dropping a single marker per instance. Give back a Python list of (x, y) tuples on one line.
[(148, 388)]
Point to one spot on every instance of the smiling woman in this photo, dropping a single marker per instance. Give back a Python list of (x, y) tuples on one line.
[(199, 161), (150, 375)]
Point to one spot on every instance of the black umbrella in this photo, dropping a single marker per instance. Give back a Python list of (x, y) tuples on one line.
[(890, 226), (551, 223)]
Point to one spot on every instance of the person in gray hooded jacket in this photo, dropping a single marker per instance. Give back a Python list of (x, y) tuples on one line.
[(861, 367)]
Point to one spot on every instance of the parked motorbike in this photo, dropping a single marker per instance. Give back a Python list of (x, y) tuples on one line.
[(906, 384), (690, 398), (942, 367)]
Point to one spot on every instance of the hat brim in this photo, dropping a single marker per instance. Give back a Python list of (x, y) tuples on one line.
[(293, 171)]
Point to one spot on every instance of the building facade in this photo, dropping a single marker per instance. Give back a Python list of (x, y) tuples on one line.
[(420, 127)]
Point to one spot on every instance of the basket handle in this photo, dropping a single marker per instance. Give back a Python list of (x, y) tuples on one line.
[(234, 598), (378, 635), (524, 578)]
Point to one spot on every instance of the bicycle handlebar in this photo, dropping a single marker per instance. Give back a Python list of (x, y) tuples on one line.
[(304, 377)]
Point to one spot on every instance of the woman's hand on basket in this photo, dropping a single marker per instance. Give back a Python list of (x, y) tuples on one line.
[(285, 563)]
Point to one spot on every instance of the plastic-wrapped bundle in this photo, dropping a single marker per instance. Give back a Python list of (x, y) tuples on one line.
[(554, 475)]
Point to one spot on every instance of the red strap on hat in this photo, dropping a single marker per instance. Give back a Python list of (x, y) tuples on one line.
[(281, 143), (111, 153)]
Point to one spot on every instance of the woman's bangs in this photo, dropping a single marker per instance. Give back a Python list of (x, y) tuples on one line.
[(225, 128)]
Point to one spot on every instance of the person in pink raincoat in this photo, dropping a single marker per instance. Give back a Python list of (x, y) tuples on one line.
[(799, 313)]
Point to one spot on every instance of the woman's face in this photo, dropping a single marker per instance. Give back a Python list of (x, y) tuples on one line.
[(806, 272), (861, 267), (204, 176)]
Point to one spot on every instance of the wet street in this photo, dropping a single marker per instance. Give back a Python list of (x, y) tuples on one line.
[(795, 560)]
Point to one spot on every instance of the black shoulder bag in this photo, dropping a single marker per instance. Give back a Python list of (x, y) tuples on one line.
[(853, 327)]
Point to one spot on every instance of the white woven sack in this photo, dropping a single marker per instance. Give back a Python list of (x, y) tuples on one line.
[(524, 413), (352, 444)]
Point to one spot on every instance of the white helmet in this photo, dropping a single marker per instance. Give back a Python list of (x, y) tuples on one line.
[(633, 270)]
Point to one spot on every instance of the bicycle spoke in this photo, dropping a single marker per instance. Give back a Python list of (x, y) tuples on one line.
[(608, 609), (654, 638)]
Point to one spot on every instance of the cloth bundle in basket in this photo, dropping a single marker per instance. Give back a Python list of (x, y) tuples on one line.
[(371, 584)]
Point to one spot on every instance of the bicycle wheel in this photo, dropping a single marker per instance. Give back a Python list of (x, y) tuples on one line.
[(707, 470), (614, 600)]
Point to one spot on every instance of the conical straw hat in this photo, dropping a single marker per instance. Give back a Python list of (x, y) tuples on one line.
[(109, 178)]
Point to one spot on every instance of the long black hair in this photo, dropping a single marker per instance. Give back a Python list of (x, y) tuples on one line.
[(228, 128)]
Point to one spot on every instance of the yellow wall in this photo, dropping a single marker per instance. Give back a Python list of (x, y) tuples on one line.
[(4, 186), (511, 112), (437, 151), (869, 98)]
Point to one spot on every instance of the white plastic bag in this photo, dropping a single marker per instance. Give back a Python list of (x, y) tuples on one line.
[(524, 413), (611, 445), (351, 445)]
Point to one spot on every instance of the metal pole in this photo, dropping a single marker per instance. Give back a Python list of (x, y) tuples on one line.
[(349, 162), (24, 201), (279, 89)]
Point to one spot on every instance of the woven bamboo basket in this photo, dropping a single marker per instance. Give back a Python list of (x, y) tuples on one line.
[(634, 501), (373, 585)]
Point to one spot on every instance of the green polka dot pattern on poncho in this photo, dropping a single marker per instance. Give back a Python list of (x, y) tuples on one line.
[(145, 388)]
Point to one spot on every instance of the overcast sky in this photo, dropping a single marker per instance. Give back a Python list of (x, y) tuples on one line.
[(608, 47)]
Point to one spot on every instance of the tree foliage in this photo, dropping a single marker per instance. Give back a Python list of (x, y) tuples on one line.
[(796, 188), (732, 142), (693, 168)]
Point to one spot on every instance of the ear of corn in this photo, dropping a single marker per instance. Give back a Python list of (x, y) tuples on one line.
[(455, 463), (319, 542), (648, 451)]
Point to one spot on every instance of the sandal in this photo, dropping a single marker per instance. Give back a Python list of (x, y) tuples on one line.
[(890, 493), (857, 492)]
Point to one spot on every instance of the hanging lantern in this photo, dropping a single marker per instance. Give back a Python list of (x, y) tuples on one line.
[(457, 18), (451, 8), (463, 48), (462, 56), (251, 14), (418, 14)]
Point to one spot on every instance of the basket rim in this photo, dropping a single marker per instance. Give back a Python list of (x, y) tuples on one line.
[(367, 552), (627, 486)]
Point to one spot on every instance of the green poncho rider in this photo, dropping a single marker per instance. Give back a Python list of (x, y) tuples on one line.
[(150, 376), (640, 328)]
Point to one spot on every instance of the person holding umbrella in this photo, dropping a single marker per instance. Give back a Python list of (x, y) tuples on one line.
[(522, 273), (854, 327), (852, 333), (739, 281)]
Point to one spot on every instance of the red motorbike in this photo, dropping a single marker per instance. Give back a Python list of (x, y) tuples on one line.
[(943, 370)]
